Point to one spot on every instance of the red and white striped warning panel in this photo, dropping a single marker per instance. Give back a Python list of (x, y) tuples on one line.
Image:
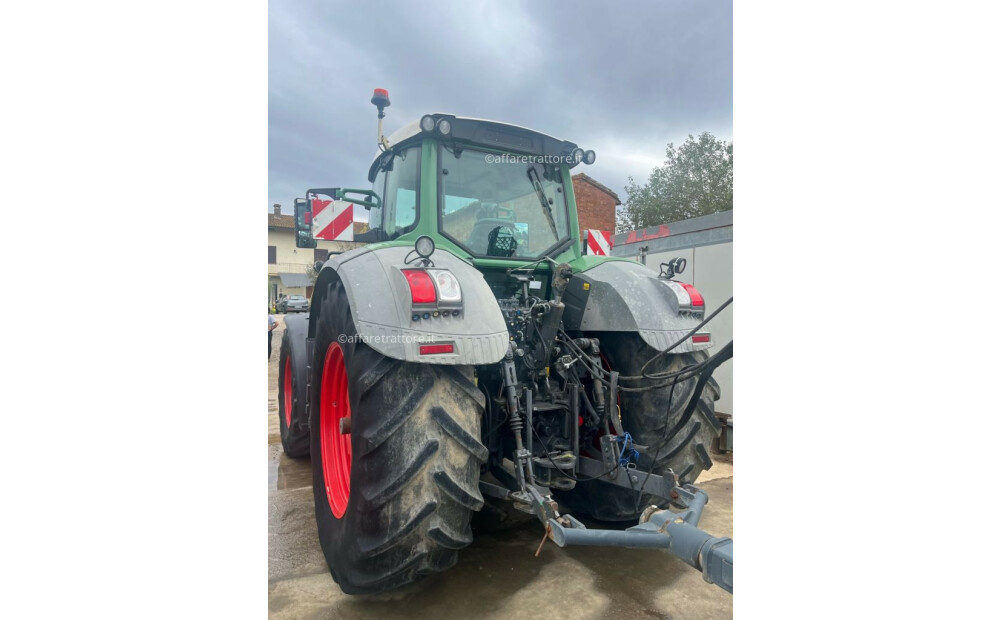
[(599, 242), (332, 220)]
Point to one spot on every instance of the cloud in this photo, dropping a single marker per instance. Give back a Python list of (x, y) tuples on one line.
[(624, 83)]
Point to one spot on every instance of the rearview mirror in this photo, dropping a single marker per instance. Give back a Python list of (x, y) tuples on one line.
[(303, 224)]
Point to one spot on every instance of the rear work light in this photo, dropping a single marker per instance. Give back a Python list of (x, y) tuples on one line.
[(421, 286), (434, 349)]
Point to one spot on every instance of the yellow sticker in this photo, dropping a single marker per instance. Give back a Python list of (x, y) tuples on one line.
[(586, 286)]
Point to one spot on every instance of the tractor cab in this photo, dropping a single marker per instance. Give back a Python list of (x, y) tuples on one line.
[(483, 190)]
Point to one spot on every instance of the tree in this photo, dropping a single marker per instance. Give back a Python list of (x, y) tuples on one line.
[(696, 179)]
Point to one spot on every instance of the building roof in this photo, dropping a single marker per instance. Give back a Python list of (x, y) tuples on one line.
[(694, 232), (607, 190), (280, 221)]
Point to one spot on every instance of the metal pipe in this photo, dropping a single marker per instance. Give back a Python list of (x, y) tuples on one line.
[(529, 409), (528, 406), (696, 506), (677, 533), (607, 538), (574, 411)]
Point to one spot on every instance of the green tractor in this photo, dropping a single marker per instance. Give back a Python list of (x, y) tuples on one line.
[(471, 356)]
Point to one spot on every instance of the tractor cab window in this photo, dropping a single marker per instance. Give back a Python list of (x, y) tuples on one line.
[(397, 183), (501, 205)]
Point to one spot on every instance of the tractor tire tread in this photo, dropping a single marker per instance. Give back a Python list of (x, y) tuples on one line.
[(415, 465), (295, 440)]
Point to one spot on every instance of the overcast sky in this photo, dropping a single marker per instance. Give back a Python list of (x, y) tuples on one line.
[(621, 82)]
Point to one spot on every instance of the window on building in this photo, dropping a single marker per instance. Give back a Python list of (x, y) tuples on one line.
[(319, 254), (272, 255)]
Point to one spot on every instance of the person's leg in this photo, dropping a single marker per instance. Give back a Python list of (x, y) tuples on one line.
[(269, 334)]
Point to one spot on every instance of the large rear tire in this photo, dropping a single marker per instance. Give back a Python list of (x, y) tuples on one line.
[(395, 496), (680, 445), (292, 393)]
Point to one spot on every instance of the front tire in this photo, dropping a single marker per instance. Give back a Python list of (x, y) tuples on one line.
[(679, 445), (394, 497), (292, 395)]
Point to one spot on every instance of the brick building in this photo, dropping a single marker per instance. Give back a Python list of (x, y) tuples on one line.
[(595, 204)]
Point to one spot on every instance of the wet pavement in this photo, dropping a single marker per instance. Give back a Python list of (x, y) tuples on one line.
[(497, 576)]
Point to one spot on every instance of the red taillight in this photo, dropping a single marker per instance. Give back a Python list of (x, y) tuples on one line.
[(431, 349), (421, 286), (696, 299), (701, 338)]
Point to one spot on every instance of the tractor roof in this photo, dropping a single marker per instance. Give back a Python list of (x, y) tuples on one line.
[(483, 132), (412, 129)]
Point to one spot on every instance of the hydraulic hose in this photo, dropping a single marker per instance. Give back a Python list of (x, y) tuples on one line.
[(724, 354), (642, 372)]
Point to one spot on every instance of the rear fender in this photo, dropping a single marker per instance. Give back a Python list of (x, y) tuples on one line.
[(622, 296), (380, 305)]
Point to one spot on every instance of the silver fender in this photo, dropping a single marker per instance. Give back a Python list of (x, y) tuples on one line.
[(622, 296), (380, 305)]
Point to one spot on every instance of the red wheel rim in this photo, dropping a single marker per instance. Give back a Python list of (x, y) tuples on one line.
[(335, 448), (288, 392)]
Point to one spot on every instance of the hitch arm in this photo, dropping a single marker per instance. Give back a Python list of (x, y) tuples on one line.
[(678, 533)]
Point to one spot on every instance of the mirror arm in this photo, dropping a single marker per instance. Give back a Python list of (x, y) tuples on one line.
[(375, 202)]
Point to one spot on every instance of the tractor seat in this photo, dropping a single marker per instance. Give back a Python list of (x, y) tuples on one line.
[(501, 242), (479, 238)]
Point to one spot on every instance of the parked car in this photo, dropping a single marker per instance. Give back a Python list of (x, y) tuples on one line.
[(293, 303)]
